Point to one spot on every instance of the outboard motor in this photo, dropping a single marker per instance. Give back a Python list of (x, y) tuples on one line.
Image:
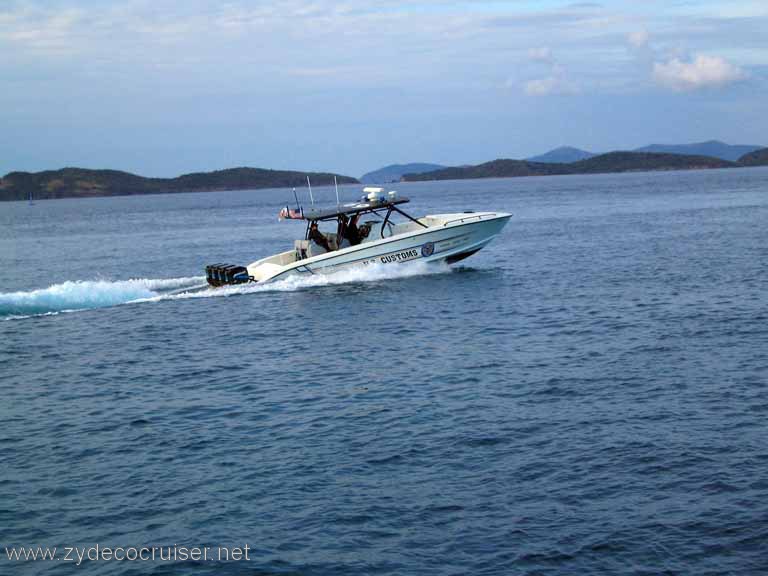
[(227, 274)]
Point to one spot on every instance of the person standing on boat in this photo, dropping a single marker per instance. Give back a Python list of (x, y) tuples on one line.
[(341, 230), (317, 237), (351, 231)]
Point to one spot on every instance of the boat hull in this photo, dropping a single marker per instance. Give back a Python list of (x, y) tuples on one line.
[(460, 236)]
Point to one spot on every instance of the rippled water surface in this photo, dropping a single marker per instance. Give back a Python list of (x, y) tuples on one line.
[(587, 395)]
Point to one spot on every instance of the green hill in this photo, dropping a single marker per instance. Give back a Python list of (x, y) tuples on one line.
[(604, 163), (562, 155), (756, 158), (82, 183), (645, 161), (394, 172), (501, 168), (713, 148)]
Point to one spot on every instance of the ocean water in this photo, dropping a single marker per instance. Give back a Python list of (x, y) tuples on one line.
[(586, 395)]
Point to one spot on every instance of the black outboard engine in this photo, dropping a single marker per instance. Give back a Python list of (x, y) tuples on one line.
[(227, 274)]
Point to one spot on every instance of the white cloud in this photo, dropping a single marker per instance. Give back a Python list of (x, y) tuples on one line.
[(38, 30), (542, 54), (556, 82), (638, 38), (549, 86), (701, 72), (541, 86)]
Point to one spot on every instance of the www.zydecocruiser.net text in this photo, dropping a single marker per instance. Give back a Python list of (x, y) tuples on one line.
[(79, 554)]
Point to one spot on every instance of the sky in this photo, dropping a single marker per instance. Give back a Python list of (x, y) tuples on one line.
[(161, 88)]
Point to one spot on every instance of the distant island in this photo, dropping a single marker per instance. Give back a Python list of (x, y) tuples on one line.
[(756, 158), (562, 155), (604, 163), (83, 183), (569, 155), (712, 148), (394, 172)]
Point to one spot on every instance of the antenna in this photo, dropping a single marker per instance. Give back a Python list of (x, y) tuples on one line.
[(337, 190), (298, 206), (311, 199)]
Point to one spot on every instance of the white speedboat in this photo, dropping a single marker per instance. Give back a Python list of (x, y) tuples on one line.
[(377, 238)]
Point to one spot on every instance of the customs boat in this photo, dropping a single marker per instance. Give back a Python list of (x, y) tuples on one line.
[(386, 234)]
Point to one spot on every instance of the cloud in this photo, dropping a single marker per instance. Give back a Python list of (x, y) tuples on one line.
[(638, 38), (554, 84), (36, 29), (701, 72), (542, 54), (541, 86)]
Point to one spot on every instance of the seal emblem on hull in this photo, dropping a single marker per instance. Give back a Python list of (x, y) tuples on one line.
[(428, 249)]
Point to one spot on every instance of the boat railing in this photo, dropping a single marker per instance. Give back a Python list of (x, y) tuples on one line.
[(464, 219)]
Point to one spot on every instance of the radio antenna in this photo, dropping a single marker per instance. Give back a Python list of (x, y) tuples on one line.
[(311, 199), (336, 184)]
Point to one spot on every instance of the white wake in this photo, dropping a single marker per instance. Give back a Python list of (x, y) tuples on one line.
[(85, 294), (88, 294), (370, 273)]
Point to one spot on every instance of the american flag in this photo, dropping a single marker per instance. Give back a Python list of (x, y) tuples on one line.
[(290, 214)]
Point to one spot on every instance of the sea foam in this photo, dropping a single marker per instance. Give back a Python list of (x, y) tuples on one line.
[(88, 294)]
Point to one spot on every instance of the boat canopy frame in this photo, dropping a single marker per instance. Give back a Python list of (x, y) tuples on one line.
[(347, 209), (361, 208)]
